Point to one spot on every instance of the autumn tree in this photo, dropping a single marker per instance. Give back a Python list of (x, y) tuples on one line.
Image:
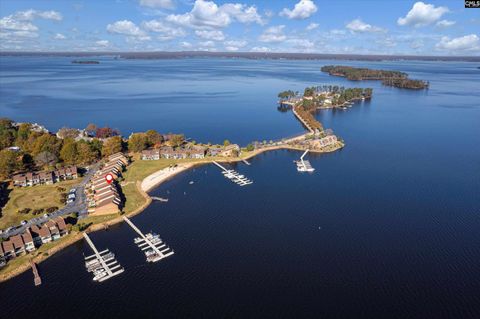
[(8, 163), (176, 140), (69, 153), (87, 153), (137, 142), (106, 132), (153, 137), (66, 132), (46, 142), (45, 159), (112, 145), (7, 133)]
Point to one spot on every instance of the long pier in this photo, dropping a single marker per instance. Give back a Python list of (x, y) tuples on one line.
[(103, 264), (37, 280), (304, 165), (234, 176), (151, 244), (302, 120)]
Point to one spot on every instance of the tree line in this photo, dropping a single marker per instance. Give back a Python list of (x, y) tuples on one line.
[(388, 77), (24, 149)]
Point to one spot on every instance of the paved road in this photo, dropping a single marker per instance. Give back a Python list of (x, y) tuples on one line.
[(78, 206)]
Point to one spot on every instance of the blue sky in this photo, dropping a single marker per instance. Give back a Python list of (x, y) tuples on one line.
[(348, 26)]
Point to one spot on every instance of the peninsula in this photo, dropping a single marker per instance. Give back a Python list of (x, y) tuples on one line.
[(388, 78), (79, 160)]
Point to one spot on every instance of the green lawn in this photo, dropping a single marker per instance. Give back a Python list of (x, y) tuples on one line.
[(33, 197)]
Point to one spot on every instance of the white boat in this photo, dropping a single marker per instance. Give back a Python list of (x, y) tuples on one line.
[(99, 274), (138, 240), (191, 182)]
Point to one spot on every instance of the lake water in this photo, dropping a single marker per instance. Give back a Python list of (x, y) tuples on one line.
[(388, 227)]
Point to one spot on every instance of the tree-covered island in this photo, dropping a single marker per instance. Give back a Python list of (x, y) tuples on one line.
[(388, 78)]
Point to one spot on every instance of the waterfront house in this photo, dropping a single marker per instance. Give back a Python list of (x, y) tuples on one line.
[(35, 232), (112, 171), (18, 245), (231, 150), (171, 153), (107, 205), (8, 250), (28, 241), (118, 157), (62, 227), (151, 155), (45, 235), (52, 227), (214, 150), (325, 141), (197, 152)]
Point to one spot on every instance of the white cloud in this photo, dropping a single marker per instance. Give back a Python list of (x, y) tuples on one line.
[(302, 10), (102, 43), (312, 26), (242, 13), (50, 15), (31, 14), (17, 36), (167, 32), (207, 46), (215, 35), (260, 49), (422, 14), (18, 27), (128, 28), (466, 43), (235, 45), (445, 23), (162, 4), (273, 34), (302, 45), (208, 15), (59, 36), (10, 23), (358, 25), (185, 45)]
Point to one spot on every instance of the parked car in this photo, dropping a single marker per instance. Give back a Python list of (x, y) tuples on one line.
[(23, 222), (73, 190), (70, 200)]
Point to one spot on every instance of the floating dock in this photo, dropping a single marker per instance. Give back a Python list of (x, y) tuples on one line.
[(304, 165), (102, 264), (151, 244), (234, 176), (37, 280)]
